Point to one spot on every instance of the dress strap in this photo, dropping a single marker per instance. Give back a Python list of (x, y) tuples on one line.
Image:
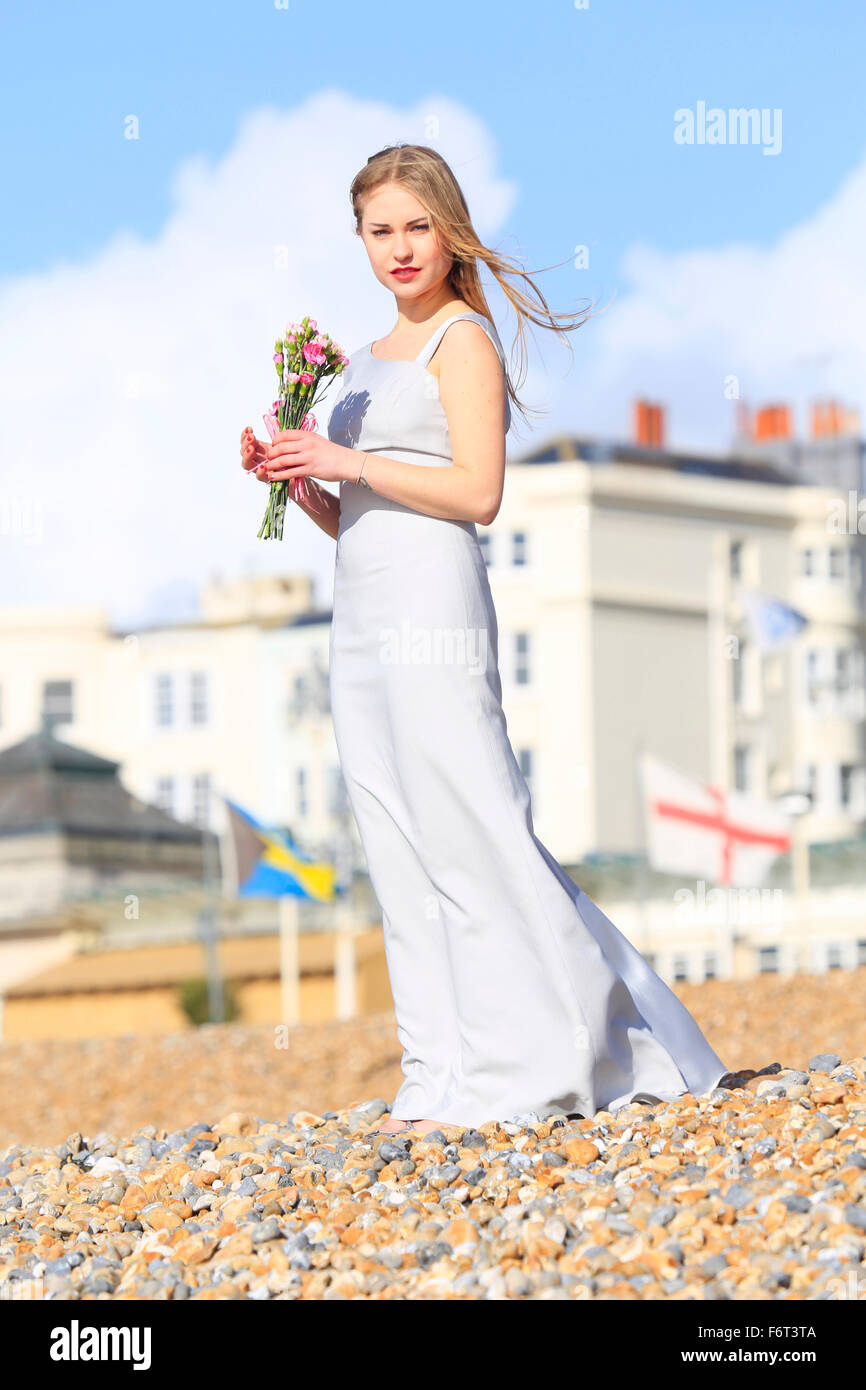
[(428, 350)]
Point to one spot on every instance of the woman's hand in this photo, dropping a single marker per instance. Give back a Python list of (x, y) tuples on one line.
[(304, 454), (253, 454)]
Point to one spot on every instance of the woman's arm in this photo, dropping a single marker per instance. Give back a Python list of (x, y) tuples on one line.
[(472, 391), (325, 510)]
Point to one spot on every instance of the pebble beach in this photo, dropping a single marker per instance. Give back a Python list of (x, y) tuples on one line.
[(755, 1191)]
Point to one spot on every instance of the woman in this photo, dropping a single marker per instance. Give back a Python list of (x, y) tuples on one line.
[(513, 992)]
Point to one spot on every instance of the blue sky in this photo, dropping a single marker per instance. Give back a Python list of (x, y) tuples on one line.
[(151, 260), (581, 104)]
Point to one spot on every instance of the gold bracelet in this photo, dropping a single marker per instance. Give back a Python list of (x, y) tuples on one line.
[(360, 479)]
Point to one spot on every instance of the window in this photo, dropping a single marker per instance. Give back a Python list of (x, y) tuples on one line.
[(164, 794), (336, 790), (198, 698), (861, 952), (737, 676), (681, 968), (57, 703), (303, 804), (164, 701), (524, 757), (807, 562), (812, 782), (201, 798), (521, 654), (813, 676), (834, 957), (837, 563), (735, 556), (847, 773), (518, 547), (710, 966), (768, 960), (742, 767), (486, 549)]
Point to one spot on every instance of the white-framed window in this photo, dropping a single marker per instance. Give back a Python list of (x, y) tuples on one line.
[(861, 951), (301, 790), (201, 798), (163, 700), (681, 968), (742, 767), (199, 704), (527, 767), (335, 792), (835, 681), (768, 960), (58, 703), (521, 658), (851, 786), (485, 540), (163, 794), (518, 548), (835, 564), (711, 968), (835, 957), (735, 559)]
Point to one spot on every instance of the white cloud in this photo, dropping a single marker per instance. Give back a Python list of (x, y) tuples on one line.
[(788, 320), (125, 381)]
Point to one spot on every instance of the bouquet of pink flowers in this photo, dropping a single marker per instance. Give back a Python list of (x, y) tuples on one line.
[(304, 359)]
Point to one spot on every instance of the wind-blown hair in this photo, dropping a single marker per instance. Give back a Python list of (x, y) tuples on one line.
[(431, 180)]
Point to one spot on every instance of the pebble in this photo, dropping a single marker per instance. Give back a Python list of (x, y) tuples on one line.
[(746, 1193)]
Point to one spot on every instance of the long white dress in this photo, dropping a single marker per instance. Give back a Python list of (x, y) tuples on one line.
[(513, 992)]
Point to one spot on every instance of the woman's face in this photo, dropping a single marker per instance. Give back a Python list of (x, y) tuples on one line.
[(397, 233)]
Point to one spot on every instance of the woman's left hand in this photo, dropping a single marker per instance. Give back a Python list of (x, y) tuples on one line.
[(304, 454)]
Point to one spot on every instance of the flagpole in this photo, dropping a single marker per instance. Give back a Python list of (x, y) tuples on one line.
[(643, 836), (290, 969), (718, 691), (717, 672), (208, 925)]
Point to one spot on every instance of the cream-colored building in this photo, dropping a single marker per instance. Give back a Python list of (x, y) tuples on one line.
[(620, 627), (616, 580)]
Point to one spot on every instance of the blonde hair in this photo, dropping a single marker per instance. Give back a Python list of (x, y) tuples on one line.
[(429, 177)]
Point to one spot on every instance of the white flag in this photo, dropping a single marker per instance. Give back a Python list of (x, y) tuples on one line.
[(772, 622), (697, 829)]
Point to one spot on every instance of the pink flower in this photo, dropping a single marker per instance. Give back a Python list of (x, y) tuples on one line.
[(309, 421), (278, 357), (306, 378), (314, 352)]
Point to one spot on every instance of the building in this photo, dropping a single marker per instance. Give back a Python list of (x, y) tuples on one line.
[(618, 572)]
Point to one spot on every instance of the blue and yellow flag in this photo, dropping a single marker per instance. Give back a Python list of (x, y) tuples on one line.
[(270, 865)]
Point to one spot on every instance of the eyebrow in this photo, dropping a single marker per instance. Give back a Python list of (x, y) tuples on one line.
[(422, 218)]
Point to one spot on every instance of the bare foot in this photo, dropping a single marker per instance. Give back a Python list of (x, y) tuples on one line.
[(425, 1126), (391, 1126)]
